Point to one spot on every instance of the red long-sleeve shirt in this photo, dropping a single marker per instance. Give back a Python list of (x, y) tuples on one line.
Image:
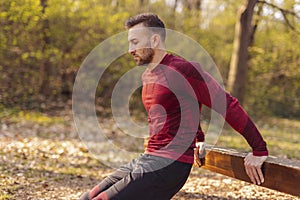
[(173, 94)]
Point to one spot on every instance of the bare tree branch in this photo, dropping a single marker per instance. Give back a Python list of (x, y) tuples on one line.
[(282, 10), (284, 13), (258, 13), (289, 23)]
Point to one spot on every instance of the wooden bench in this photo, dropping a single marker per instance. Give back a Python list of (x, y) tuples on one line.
[(280, 174)]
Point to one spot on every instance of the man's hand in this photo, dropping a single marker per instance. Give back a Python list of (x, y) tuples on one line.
[(199, 153), (253, 168)]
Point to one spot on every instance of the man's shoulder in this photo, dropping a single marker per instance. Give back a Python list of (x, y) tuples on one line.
[(183, 66)]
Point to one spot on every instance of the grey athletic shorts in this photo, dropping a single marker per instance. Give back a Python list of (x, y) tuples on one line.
[(146, 177)]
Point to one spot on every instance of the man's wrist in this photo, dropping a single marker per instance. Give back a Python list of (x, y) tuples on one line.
[(260, 153)]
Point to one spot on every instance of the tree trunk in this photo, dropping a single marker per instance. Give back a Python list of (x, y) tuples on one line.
[(237, 77), (143, 4), (192, 4), (174, 21), (45, 67)]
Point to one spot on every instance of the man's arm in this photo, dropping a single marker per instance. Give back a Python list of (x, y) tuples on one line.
[(238, 119), (199, 84)]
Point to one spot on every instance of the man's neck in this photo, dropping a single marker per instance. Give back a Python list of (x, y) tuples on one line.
[(158, 57)]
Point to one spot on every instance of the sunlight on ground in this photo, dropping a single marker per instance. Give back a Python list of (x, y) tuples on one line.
[(42, 157)]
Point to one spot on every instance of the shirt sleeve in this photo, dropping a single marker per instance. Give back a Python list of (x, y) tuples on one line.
[(200, 85)]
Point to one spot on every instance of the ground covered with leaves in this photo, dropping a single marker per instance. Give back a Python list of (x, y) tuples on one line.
[(42, 157)]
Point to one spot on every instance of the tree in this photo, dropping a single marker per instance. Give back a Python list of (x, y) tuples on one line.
[(45, 65), (242, 39), (274, 75)]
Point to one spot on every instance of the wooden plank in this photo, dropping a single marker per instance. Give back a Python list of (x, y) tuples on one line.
[(280, 174)]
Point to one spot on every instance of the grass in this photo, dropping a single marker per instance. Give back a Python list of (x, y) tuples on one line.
[(16, 116), (282, 137)]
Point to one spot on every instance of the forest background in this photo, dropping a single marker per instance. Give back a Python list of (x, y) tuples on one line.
[(43, 43)]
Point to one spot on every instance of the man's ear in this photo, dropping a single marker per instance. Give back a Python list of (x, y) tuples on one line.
[(155, 41)]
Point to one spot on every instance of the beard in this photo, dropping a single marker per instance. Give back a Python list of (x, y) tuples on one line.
[(144, 57)]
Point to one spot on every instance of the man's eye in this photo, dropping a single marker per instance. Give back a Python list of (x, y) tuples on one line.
[(134, 41)]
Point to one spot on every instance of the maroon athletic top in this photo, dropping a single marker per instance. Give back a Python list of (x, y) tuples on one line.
[(173, 93)]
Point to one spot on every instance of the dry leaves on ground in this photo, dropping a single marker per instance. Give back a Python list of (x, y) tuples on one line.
[(43, 162)]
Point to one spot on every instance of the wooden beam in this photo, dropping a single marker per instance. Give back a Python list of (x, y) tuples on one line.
[(280, 174)]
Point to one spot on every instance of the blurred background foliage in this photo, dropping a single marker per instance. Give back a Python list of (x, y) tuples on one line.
[(44, 42)]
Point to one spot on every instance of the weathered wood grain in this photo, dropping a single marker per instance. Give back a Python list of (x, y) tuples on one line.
[(280, 174)]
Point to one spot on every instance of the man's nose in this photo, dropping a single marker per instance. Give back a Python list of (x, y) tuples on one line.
[(131, 50)]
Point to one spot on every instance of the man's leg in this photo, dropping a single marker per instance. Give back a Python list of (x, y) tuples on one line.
[(110, 180), (148, 184)]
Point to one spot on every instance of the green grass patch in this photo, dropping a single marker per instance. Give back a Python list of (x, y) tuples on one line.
[(282, 137), (15, 116), (5, 196)]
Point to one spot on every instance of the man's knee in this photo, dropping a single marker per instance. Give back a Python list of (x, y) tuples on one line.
[(85, 196)]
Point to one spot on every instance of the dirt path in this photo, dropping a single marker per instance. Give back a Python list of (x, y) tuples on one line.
[(42, 162)]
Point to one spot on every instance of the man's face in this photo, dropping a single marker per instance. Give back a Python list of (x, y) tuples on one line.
[(139, 44)]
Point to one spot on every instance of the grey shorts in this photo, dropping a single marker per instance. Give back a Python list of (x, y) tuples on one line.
[(146, 177)]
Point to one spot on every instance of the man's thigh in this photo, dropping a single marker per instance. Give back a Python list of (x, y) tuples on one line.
[(118, 174), (143, 183)]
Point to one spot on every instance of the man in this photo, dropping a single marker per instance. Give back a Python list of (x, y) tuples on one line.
[(173, 92)]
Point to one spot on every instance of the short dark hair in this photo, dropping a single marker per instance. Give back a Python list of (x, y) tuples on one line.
[(148, 20)]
